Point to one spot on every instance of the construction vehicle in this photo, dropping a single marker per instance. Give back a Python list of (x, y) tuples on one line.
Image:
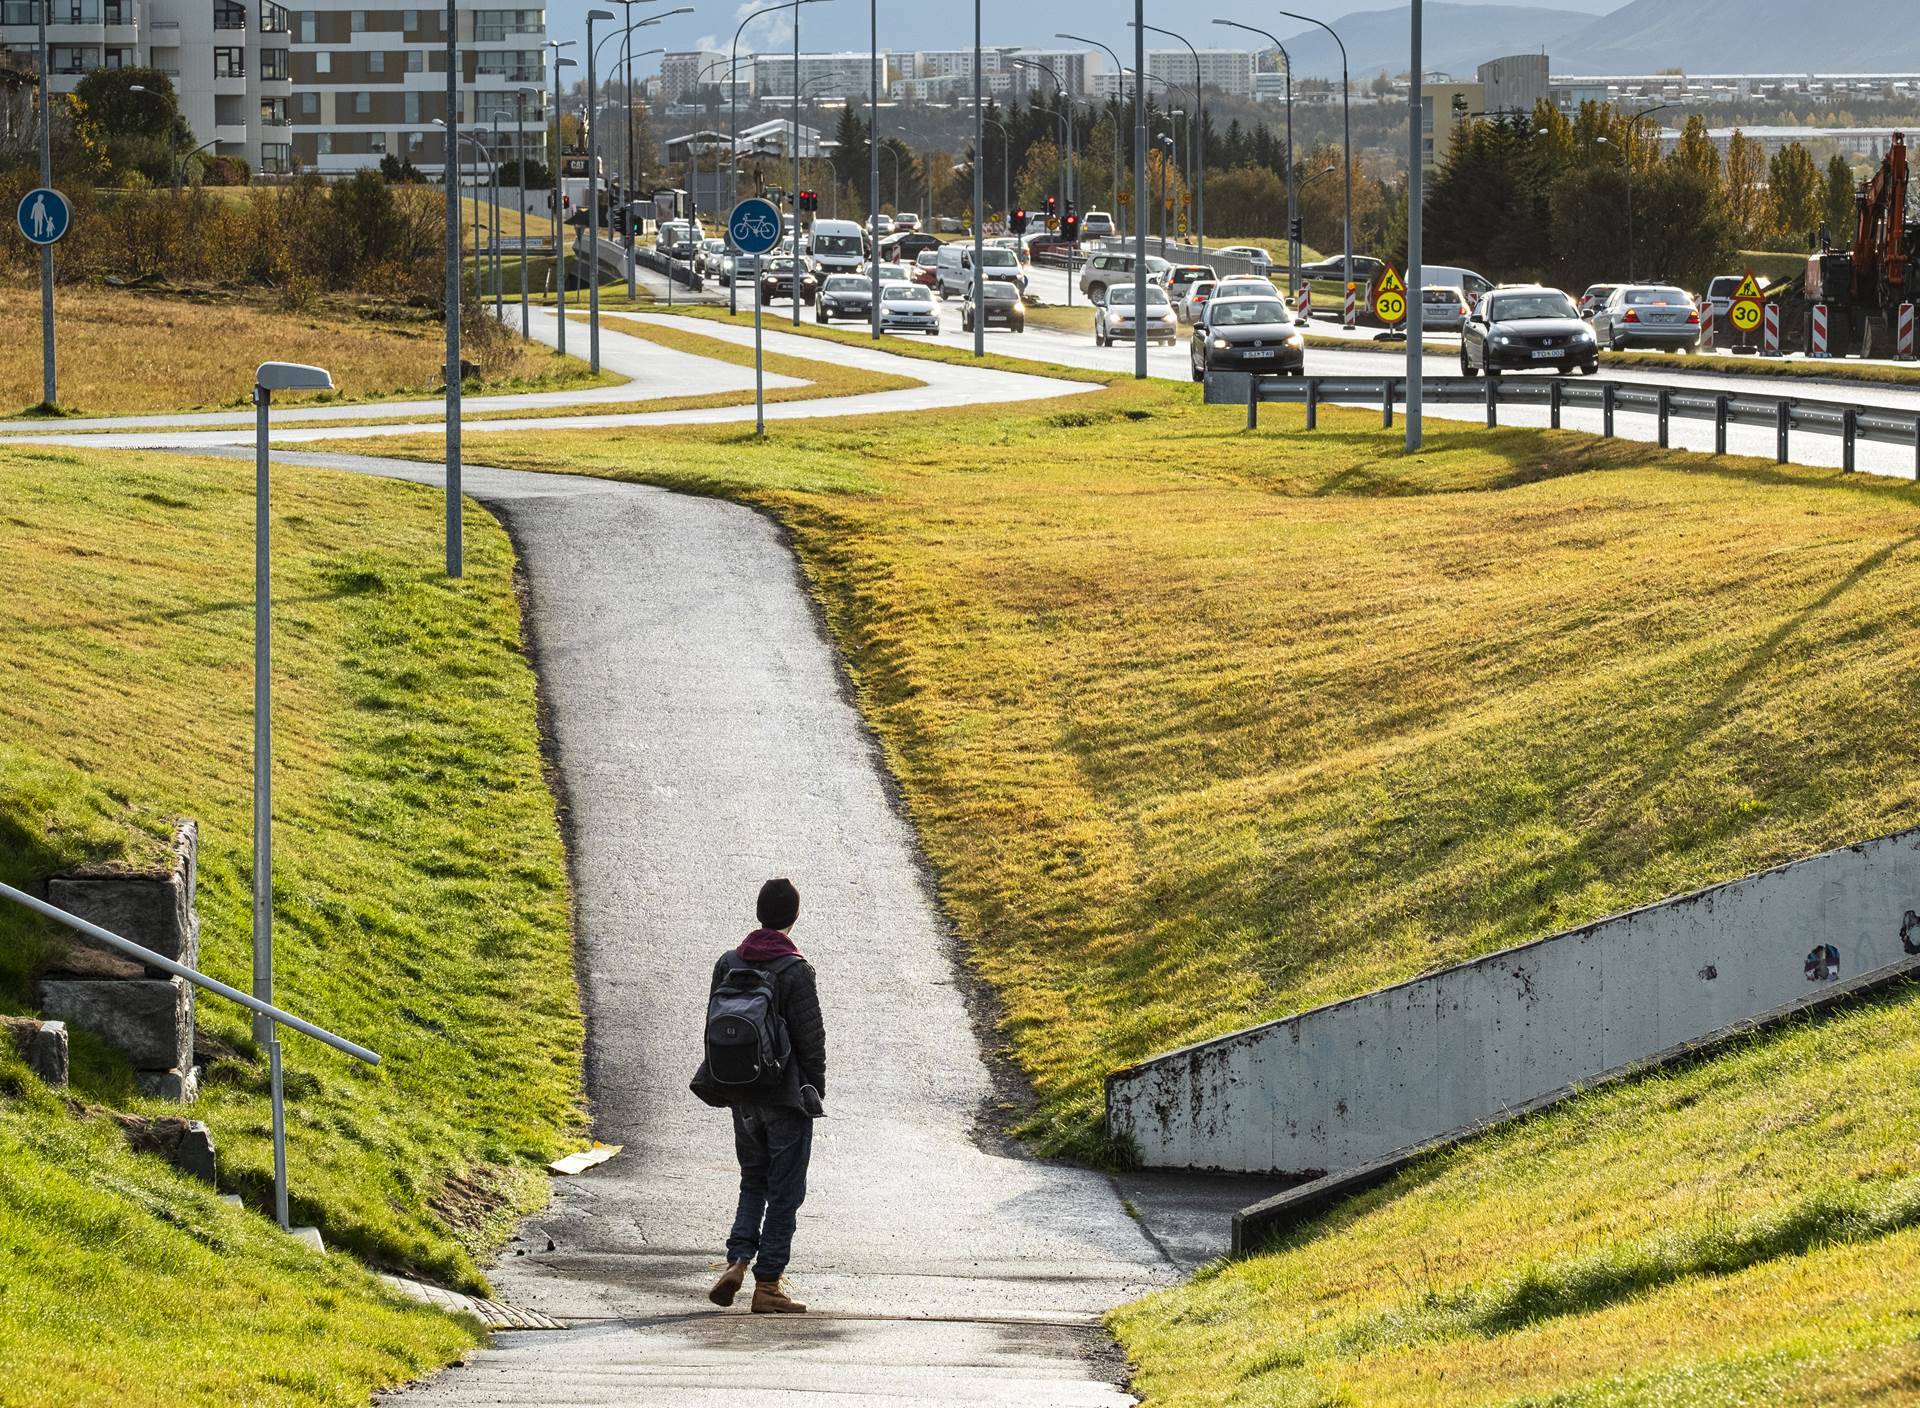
[(1864, 285)]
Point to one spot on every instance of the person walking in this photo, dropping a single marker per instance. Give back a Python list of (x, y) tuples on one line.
[(766, 1061)]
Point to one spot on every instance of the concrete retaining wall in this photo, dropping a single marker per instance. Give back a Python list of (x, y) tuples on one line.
[(1355, 1081)]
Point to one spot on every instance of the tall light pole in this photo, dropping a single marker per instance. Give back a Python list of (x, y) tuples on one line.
[(493, 235), (793, 186), (1006, 169), (49, 388), (1293, 196), (631, 186), (733, 89), (1196, 142), (452, 177), (1346, 134), (979, 190), (1120, 70), (559, 199), (593, 196), (1633, 126), (520, 96), (1416, 305), (893, 152), (1066, 124), (732, 67), (1139, 192), (873, 161)]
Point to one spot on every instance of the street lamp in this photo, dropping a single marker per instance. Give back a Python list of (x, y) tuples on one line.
[(1633, 126), (979, 191), (1139, 192), (889, 150), (733, 77), (559, 200), (1346, 133), (733, 133), (1121, 70), (1006, 171), (1066, 126), (873, 163), (520, 121), (593, 196), (450, 177), (1197, 138), (627, 91), (1293, 202)]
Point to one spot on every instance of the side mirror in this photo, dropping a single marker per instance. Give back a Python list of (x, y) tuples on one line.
[(1588, 313)]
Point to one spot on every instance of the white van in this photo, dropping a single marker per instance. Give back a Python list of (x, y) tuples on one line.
[(953, 271), (1452, 276), (837, 247)]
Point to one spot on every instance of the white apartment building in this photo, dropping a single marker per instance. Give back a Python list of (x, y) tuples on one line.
[(228, 61), (682, 71), (1229, 70), (843, 75), (951, 87), (369, 83), (925, 67)]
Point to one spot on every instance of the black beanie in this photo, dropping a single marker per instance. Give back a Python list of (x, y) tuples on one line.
[(779, 904)]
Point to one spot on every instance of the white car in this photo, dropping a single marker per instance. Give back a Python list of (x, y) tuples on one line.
[(906, 220), (709, 255), (1252, 253), (889, 274), (908, 307), (882, 226), (1113, 317), (1096, 225)]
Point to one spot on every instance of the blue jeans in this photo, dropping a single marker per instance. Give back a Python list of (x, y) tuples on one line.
[(774, 1145)]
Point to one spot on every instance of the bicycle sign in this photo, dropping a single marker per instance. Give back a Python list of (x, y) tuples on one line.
[(754, 225)]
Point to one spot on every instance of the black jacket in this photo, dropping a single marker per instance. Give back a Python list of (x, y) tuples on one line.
[(798, 996)]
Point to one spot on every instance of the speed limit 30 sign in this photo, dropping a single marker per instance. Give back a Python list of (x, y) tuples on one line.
[(1390, 296)]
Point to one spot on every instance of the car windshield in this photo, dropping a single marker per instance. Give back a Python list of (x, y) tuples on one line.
[(839, 244), (779, 266), (1643, 296), (1201, 288), (992, 258), (927, 259), (1123, 293), (908, 293), (847, 283), (1240, 312), (1000, 291), (1723, 286), (1244, 286), (1545, 304)]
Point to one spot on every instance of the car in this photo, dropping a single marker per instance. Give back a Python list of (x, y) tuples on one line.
[(1245, 286), (707, 258), (906, 246), (1252, 253), (1248, 334), (1195, 303), (890, 273), (677, 239), (1453, 276), (836, 247), (1105, 270), (844, 296), (1181, 275), (1001, 302), (1113, 316), (1017, 243), (1527, 326), (1648, 315), (1720, 291), (882, 226), (906, 220), (1097, 225), (778, 276), (1328, 280), (954, 268), (926, 268), (1443, 308), (906, 307), (1595, 295)]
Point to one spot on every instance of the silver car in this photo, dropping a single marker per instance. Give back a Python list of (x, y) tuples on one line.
[(1648, 315), (1443, 308), (906, 307), (1113, 316)]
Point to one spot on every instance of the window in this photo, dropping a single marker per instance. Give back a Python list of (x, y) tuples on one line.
[(410, 21), (276, 157), (413, 107), (358, 21), (492, 26), (376, 62), (309, 105), (273, 112), (362, 104), (377, 143), (273, 64), (226, 16), (19, 12), (325, 144), (306, 27), (273, 18), (416, 61), (323, 62), (67, 58), (229, 63)]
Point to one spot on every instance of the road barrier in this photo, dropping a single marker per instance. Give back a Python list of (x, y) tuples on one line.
[(1783, 414), (1306, 300), (1706, 326), (1351, 317), (1903, 333), (1817, 331), (1770, 331)]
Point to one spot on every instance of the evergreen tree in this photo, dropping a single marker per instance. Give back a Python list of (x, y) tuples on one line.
[(1839, 216), (1746, 168), (1796, 197)]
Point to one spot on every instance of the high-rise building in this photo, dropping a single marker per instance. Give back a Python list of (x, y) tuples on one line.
[(682, 71), (1516, 84), (1445, 106), (227, 60), (1229, 70), (843, 75), (370, 83)]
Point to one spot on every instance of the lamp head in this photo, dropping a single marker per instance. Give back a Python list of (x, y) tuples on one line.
[(593, 15), (292, 376)]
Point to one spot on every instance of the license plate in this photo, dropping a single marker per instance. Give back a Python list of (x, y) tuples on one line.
[(1548, 355), (1267, 353)]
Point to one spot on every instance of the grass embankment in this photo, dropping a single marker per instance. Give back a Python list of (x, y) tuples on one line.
[(1200, 727), (125, 352), (421, 908), (539, 223), (1768, 368)]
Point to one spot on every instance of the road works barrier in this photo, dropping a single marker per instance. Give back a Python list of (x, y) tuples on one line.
[(1706, 326), (1351, 317), (1770, 331), (1817, 331), (1344, 1085), (1783, 414), (1903, 332)]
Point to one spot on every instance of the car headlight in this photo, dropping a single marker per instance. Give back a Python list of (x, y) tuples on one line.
[(1296, 341), (1584, 335), (1221, 344), (1500, 339)]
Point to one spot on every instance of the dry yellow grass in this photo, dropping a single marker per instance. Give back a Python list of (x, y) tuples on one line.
[(539, 224), (123, 352)]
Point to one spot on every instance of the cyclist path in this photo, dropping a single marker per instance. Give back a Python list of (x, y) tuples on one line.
[(704, 738), (653, 372)]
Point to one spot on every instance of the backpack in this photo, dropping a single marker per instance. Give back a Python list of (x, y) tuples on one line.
[(746, 1035)]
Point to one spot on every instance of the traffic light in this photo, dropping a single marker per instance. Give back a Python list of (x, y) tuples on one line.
[(1071, 228), (1020, 222), (1294, 227), (1050, 207), (809, 201)]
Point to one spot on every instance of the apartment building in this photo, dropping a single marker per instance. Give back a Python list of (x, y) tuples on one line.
[(1228, 70), (371, 83), (1445, 106), (843, 75), (685, 70), (228, 61)]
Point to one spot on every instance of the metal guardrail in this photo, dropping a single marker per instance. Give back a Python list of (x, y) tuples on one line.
[(1782, 414), (232, 994)]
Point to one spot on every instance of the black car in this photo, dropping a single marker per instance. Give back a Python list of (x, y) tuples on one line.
[(1247, 335), (1002, 303), (1513, 328), (845, 296), (776, 281), (907, 247)]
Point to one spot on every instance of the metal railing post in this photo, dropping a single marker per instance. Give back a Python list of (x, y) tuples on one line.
[(1553, 404), (1664, 405), (1849, 428), (1782, 423), (1916, 447), (1606, 410), (1493, 403), (1253, 402), (1313, 405), (279, 1091), (1720, 424), (1386, 403)]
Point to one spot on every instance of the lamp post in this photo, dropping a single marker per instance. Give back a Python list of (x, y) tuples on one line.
[(1633, 126), (593, 197), (520, 120), (979, 191), (1197, 142), (1346, 134), (1139, 192), (451, 176), (873, 162), (493, 235), (1066, 124), (733, 76), (1120, 69), (1006, 171), (890, 150), (1416, 305), (1293, 200), (559, 200), (733, 89)]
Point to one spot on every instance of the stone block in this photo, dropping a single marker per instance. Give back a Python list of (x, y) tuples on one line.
[(155, 911), (186, 1144), (148, 1020), (181, 1087), (42, 1045)]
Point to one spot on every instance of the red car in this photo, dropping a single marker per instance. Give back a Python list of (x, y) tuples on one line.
[(925, 268)]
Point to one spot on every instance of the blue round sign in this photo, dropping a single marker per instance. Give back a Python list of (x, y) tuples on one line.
[(44, 215), (754, 225)]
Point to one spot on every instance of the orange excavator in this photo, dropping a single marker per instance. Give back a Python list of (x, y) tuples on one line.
[(1864, 285)]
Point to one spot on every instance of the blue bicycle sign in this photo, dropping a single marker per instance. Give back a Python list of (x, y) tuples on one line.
[(754, 225)]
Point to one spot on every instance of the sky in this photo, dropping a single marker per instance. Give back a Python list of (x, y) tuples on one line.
[(948, 24)]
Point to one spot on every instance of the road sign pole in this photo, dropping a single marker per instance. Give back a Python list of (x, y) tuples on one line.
[(49, 386), (759, 362)]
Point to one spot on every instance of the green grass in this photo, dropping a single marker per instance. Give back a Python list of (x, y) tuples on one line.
[(421, 906)]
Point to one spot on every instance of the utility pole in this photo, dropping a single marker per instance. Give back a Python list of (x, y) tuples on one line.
[(1416, 306), (1346, 131), (49, 384), (873, 163), (1139, 190), (559, 199), (979, 192), (452, 174)]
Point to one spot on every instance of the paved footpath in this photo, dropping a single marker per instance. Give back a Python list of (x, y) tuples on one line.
[(706, 741)]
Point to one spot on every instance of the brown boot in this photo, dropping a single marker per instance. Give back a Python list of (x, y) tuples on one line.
[(728, 1286), (771, 1298)]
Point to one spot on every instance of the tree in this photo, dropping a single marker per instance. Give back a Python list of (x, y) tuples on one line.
[(1250, 198), (1038, 176), (1796, 196), (1746, 179), (143, 130), (1838, 216), (1682, 226)]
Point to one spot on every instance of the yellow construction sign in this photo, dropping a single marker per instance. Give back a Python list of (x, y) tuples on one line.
[(1390, 296), (1745, 312)]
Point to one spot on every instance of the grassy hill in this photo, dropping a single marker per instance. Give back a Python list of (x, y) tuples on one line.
[(421, 908)]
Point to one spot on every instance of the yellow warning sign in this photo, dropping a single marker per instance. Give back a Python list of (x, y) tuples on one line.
[(1749, 289), (1745, 314), (1389, 297)]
